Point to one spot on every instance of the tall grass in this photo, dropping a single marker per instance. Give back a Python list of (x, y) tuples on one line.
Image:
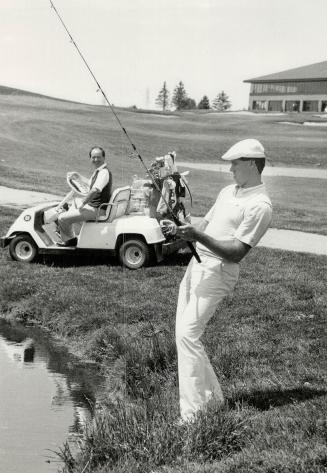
[(266, 343), (148, 436)]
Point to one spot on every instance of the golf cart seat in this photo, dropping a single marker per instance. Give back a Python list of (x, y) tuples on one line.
[(116, 207)]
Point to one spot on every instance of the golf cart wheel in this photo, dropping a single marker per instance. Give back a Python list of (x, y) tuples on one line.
[(134, 253), (23, 248)]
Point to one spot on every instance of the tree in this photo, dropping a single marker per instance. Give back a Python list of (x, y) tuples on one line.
[(181, 100), (189, 104), (204, 103), (163, 97), (222, 102), (179, 96)]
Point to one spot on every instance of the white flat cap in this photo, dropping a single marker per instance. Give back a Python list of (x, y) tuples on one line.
[(249, 148)]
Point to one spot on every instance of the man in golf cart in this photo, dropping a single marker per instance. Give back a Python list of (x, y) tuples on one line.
[(100, 185)]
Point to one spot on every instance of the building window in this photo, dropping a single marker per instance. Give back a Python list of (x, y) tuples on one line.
[(275, 106), (286, 88), (275, 88), (292, 105), (310, 105), (324, 106), (260, 105)]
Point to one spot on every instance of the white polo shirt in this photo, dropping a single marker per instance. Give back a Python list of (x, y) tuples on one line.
[(239, 213)]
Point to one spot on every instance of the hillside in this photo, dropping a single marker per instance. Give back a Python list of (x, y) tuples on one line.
[(32, 123), (5, 90), (42, 139), (265, 342)]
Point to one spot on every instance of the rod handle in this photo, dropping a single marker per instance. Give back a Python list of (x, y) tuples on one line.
[(189, 243), (194, 252)]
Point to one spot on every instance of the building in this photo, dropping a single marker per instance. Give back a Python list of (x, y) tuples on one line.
[(303, 89)]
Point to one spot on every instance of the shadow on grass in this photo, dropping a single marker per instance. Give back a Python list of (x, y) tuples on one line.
[(102, 258), (264, 400), (177, 259), (80, 259)]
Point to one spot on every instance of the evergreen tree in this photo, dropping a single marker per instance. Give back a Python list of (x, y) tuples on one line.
[(222, 102), (204, 103), (163, 97), (189, 104), (179, 96)]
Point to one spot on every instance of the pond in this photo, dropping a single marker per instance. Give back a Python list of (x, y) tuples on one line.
[(45, 398)]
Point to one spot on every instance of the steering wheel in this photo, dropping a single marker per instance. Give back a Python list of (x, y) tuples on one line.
[(78, 183)]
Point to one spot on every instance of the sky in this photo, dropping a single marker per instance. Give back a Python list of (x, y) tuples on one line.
[(133, 46)]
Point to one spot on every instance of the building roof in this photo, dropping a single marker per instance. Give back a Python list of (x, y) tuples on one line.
[(317, 71)]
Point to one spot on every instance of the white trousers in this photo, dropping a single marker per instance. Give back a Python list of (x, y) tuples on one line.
[(204, 285), (73, 215)]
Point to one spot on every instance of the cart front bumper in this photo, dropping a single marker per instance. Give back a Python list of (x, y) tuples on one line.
[(4, 242)]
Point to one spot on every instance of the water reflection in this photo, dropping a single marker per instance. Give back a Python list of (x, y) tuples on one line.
[(44, 395)]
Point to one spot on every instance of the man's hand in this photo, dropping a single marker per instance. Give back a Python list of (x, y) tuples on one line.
[(232, 250), (88, 197), (168, 227), (187, 232)]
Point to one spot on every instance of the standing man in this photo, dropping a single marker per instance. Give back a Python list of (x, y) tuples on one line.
[(236, 222), (100, 185)]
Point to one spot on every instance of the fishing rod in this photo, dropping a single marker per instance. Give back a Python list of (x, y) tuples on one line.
[(174, 217)]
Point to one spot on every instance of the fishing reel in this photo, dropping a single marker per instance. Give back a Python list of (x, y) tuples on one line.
[(168, 227)]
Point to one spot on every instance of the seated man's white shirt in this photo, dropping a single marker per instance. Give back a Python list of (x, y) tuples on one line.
[(239, 213), (102, 178), (101, 181)]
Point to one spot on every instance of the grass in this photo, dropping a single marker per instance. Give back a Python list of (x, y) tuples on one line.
[(42, 139), (266, 344)]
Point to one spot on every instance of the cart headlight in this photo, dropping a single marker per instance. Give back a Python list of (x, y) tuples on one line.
[(27, 218)]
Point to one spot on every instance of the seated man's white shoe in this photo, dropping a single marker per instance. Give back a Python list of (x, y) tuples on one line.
[(70, 242)]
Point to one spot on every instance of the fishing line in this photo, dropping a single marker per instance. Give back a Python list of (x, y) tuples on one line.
[(174, 217)]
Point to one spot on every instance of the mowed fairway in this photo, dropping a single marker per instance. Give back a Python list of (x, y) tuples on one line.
[(42, 139), (266, 342)]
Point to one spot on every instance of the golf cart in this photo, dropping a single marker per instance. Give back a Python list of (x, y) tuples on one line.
[(128, 227)]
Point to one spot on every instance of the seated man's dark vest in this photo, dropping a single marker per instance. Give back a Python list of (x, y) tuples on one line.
[(101, 197)]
